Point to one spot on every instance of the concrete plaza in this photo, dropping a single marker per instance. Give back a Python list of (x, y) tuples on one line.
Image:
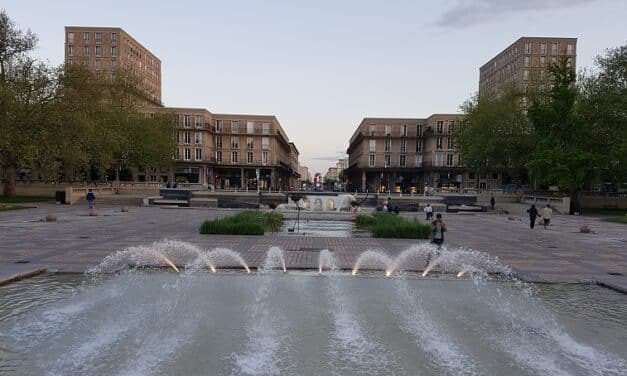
[(77, 241)]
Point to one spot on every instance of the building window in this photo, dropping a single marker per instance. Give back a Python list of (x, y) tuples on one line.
[(418, 130), (234, 126), (525, 75), (70, 50), (70, 37), (569, 62), (85, 37), (218, 126), (98, 64), (114, 51), (451, 126), (98, 38), (265, 128), (403, 160), (449, 159), (264, 157), (187, 154), (98, 50), (114, 64), (372, 160), (404, 130), (373, 129), (265, 143), (198, 154), (388, 130), (373, 145), (250, 127), (542, 60), (198, 138), (86, 51), (526, 61), (542, 74), (218, 142), (554, 48), (418, 160), (177, 153), (249, 158), (198, 121), (439, 125), (186, 137), (418, 145), (449, 143), (387, 160), (233, 157), (403, 145), (439, 161), (249, 142), (542, 48), (528, 48), (570, 49), (388, 144), (438, 143), (114, 38), (219, 156), (178, 137), (234, 142)]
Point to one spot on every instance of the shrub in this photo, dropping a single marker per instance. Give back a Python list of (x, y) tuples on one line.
[(248, 222), (389, 225)]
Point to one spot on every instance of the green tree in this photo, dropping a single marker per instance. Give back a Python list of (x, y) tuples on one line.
[(495, 134), (602, 106), (562, 154), (27, 92)]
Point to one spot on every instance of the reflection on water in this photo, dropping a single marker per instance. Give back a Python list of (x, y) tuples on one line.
[(323, 228)]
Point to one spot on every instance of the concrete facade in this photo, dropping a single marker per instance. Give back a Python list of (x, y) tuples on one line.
[(106, 49), (524, 61), (405, 154)]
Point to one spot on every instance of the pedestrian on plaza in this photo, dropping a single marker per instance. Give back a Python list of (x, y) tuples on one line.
[(396, 210), (168, 185), (91, 197), (492, 202), (429, 212), (385, 207), (533, 213), (438, 228), (545, 214)]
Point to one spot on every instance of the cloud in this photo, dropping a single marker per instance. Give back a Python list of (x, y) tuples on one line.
[(467, 13), (328, 158)]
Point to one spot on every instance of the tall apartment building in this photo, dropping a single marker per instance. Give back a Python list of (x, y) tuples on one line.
[(524, 61), (105, 49), (405, 154), (229, 151)]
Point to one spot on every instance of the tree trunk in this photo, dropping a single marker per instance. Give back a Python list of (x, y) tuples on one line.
[(10, 177)]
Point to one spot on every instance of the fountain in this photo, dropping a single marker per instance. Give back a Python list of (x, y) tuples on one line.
[(122, 318)]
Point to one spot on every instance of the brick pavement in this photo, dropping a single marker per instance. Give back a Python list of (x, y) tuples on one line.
[(77, 241)]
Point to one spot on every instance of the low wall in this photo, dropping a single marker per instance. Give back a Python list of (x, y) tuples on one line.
[(39, 189), (74, 194), (559, 204), (603, 202)]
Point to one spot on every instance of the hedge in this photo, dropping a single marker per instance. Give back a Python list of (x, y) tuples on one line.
[(248, 222)]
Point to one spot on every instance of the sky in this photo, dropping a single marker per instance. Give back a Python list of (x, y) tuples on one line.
[(322, 66)]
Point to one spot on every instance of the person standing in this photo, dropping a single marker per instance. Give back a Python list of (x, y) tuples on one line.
[(545, 214), (438, 228), (428, 212), (492, 202), (533, 213), (91, 197)]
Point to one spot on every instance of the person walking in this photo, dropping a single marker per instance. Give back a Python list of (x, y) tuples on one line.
[(545, 214), (428, 212), (533, 213), (438, 228), (492, 202), (91, 197)]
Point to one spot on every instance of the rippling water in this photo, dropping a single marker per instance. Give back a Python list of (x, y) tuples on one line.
[(196, 323), (336, 229)]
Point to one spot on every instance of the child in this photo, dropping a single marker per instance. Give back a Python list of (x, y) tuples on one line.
[(438, 228), (91, 197)]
